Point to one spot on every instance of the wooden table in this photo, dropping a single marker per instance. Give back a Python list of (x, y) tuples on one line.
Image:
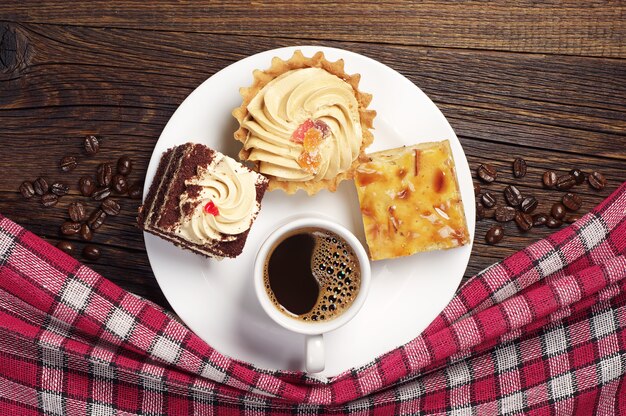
[(543, 81)]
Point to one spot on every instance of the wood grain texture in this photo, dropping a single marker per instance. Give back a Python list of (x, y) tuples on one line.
[(592, 27), (60, 82)]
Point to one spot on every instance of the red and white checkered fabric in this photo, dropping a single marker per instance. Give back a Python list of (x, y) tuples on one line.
[(542, 332)]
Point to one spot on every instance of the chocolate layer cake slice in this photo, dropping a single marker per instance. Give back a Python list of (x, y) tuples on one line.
[(203, 201)]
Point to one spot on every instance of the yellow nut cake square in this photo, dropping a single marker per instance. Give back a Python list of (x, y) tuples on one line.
[(410, 201)]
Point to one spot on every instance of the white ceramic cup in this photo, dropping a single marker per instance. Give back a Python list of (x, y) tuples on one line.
[(313, 331)]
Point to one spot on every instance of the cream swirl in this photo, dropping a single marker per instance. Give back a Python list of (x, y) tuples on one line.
[(227, 186), (286, 102)]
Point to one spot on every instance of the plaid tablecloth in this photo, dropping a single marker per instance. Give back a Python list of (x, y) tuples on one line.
[(542, 332)]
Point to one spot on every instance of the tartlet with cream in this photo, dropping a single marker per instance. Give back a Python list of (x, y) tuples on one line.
[(304, 123), (203, 201)]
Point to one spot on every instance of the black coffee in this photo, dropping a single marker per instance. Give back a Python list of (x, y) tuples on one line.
[(312, 275)]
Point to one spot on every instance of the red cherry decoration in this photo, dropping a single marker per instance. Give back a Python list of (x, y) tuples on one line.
[(211, 209)]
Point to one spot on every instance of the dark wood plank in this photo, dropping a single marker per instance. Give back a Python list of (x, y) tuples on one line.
[(64, 82), (593, 28)]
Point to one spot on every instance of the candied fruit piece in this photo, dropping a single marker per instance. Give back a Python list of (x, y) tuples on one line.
[(309, 161), (312, 139), (298, 134), (211, 209), (322, 127)]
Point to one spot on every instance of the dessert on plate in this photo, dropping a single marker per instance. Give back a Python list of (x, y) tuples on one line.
[(203, 201), (410, 201), (304, 123)]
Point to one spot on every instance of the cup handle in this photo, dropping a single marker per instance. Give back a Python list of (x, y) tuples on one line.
[(314, 353)]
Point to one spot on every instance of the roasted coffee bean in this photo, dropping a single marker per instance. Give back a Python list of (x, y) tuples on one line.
[(529, 204), (110, 207), (519, 168), (59, 189), (91, 144), (136, 191), (504, 213), (513, 196), (572, 201), (490, 212), (85, 232), (70, 228), (101, 193), (578, 175), (476, 189), (96, 219), (487, 173), (104, 174), (572, 218), (40, 186), (539, 220), (488, 200), (27, 190), (565, 182), (124, 165), (558, 211), (480, 212), (91, 252), (49, 200), (77, 211), (549, 179), (65, 246), (524, 221), (86, 185), (597, 180), (119, 184), (68, 163), (553, 223), (494, 235)]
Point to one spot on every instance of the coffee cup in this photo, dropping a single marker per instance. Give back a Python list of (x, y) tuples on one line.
[(294, 260)]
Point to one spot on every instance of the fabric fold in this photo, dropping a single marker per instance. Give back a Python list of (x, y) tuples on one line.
[(541, 332)]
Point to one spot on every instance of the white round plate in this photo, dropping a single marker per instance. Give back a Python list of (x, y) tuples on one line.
[(216, 298)]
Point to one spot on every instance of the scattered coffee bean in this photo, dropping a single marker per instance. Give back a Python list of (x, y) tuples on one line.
[(91, 252), (488, 200), (549, 179), (124, 165), (85, 232), (101, 193), (504, 213), (524, 221), (565, 182), (65, 246), (513, 195), (494, 235), (104, 174), (110, 207), (92, 145), (68, 163), (86, 186), (487, 173), (572, 218), (553, 223), (490, 212), (558, 211), (59, 189), (70, 228), (539, 220), (27, 190), (480, 212), (476, 189), (40, 186), (119, 184), (529, 204), (578, 175), (597, 180), (96, 219), (77, 211), (136, 191), (572, 201), (519, 167), (49, 200)]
